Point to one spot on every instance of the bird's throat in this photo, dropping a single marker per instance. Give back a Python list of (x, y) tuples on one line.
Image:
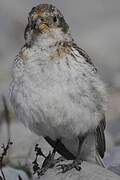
[(46, 39)]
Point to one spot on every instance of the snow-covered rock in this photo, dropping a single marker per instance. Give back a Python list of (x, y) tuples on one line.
[(14, 174), (88, 172)]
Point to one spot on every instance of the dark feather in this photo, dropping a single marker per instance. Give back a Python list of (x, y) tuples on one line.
[(61, 149), (85, 55), (100, 137)]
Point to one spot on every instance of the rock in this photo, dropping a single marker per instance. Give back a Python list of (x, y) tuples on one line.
[(24, 141), (112, 160), (115, 169), (13, 174), (115, 155), (21, 152), (88, 172)]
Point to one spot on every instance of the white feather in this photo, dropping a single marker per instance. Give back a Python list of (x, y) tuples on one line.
[(60, 98)]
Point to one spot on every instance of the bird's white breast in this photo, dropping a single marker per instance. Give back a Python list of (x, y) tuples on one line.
[(60, 98)]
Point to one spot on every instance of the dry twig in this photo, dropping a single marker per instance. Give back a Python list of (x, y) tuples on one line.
[(4, 147)]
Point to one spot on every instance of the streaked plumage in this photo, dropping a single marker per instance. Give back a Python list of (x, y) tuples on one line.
[(56, 90)]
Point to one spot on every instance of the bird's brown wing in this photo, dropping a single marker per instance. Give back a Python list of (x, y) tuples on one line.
[(100, 138), (61, 149), (86, 56)]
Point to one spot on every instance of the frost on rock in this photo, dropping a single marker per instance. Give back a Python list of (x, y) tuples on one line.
[(88, 172), (14, 174)]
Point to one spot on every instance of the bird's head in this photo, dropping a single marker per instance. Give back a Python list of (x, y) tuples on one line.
[(45, 18)]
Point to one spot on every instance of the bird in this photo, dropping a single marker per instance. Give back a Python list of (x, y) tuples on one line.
[(56, 90)]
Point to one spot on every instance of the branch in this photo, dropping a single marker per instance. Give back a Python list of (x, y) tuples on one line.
[(9, 143)]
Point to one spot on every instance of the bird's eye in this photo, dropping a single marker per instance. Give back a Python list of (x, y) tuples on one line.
[(55, 19)]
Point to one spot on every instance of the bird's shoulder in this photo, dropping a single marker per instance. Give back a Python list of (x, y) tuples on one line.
[(71, 48), (84, 54)]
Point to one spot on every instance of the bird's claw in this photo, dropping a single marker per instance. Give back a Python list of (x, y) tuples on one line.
[(66, 167), (60, 159), (62, 168), (49, 162)]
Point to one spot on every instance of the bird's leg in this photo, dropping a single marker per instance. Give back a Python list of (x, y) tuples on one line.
[(49, 161), (50, 158), (76, 163)]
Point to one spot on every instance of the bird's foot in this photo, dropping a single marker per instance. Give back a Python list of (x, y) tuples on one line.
[(62, 168), (49, 162), (60, 159)]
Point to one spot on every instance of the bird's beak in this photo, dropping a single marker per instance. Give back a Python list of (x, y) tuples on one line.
[(40, 26)]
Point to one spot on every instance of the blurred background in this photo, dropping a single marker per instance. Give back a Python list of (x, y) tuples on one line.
[(95, 25)]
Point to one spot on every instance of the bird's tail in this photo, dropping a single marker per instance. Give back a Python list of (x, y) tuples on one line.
[(99, 160)]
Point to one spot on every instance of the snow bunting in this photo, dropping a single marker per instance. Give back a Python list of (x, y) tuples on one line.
[(56, 90)]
